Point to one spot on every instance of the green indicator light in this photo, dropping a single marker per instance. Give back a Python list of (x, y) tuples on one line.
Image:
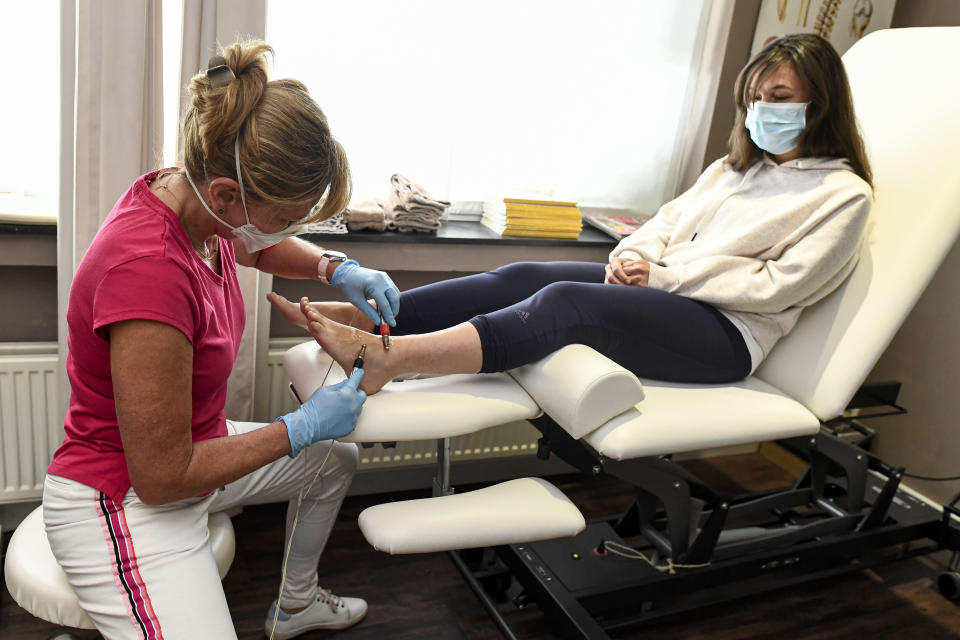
[(576, 556)]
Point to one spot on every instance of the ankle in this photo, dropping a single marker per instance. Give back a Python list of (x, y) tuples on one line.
[(359, 320)]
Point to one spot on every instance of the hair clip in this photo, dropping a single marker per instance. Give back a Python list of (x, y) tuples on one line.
[(218, 73)]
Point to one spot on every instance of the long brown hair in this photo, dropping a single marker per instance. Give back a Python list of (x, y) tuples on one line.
[(287, 153), (831, 129)]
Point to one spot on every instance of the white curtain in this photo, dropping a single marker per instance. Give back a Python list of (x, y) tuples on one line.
[(112, 123), (208, 24), (704, 87), (119, 106)]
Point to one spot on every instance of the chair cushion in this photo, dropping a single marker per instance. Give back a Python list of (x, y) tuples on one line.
[(522, 510), (420, 409), (222, 541), (39, 585), (675, 418), (579, 388)]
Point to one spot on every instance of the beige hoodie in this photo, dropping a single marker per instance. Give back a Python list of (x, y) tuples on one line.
[(760, 244)]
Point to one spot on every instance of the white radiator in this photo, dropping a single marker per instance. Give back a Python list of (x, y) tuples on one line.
[(31, 429), (30, 426), (513, 439)]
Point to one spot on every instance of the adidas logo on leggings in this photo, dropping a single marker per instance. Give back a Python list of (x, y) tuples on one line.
[(523, 315)]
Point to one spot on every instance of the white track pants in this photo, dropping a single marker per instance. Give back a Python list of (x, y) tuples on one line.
[(144, 572)]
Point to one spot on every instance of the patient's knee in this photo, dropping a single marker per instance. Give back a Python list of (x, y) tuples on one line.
[(516, 270), (561, 293)]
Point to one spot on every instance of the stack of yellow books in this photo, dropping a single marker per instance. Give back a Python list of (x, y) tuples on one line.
[(532, 218)]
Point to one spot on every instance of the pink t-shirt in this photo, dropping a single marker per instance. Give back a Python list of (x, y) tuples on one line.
[(141, 265)]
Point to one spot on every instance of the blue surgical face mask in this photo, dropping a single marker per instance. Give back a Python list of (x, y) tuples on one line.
[(775, 127), (249, 234)]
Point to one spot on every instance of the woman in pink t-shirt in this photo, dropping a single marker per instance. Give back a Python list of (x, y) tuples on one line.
[(155, 319)]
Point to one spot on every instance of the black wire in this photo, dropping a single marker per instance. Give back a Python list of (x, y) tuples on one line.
[(930, 479)]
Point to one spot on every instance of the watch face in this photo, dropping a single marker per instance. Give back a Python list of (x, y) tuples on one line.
[(334, 256)]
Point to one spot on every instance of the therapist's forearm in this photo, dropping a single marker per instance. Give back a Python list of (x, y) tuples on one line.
[(293, 258), (216, 462)]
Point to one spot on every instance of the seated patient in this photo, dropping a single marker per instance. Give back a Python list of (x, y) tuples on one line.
[(702, 292)]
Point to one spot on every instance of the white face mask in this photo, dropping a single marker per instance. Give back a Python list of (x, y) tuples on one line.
[(249, 234)]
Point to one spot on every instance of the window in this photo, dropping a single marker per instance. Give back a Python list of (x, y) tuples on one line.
[(478, 100), (30, 111)]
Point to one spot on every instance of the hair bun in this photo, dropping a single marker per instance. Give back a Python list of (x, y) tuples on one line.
[(218, 73)]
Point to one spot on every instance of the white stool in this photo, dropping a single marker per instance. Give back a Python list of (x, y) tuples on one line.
[(39, 585)]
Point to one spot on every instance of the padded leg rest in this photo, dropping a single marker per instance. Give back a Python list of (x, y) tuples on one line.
[(577, 386), (39, 585), (521, 510), (423, 409)]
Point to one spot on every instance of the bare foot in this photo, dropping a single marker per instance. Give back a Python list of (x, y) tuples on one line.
[(341, 312), (343, 344)]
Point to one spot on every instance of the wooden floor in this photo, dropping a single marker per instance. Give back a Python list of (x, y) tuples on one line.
[(423, 596)]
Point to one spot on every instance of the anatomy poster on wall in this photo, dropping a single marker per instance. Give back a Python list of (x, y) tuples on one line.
[(842, 22)]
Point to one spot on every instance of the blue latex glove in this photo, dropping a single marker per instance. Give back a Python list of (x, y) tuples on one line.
[(360, 284), (330, 413)]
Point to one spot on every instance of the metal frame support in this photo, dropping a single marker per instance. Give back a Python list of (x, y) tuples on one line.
[(441, 483)]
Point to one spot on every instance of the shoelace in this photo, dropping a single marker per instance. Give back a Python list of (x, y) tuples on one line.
[(327, 597)]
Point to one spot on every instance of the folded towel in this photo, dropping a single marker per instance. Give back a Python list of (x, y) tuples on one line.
[(365, 217), (419, 221), (366, 214), (410, 193), (372, 225), (402, 220), (410, 208), (365, 210), (407, 227)]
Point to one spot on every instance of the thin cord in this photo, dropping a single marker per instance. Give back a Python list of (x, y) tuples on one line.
[(624, 551), (931, 479), (304, 490)]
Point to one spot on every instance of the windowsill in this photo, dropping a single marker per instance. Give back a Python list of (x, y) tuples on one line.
[(28, 245), (461, 233), (7, 228)]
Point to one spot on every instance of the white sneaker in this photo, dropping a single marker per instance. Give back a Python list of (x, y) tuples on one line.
[(326, 612)]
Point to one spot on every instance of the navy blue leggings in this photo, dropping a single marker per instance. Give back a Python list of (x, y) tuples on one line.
[(527, 310)]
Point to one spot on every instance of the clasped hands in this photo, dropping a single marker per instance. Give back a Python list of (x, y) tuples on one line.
[(627, 271)]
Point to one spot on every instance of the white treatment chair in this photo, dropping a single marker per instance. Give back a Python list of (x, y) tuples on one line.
[(38, 584), (842, 515)]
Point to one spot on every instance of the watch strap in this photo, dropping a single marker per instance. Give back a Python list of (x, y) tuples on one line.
[(324, 264)]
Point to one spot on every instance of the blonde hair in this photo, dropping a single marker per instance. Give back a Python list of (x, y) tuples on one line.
[(287, 154)]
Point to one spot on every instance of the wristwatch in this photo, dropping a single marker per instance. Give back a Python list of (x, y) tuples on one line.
[(328, 257)]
